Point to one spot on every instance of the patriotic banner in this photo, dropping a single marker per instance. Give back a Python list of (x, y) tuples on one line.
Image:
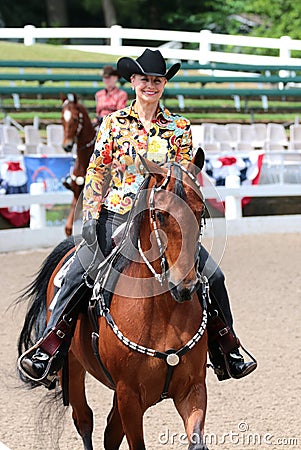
[(14, 181), (246, 166), (51, 171)]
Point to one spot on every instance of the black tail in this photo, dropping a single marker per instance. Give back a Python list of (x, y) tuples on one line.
[(35, 295)]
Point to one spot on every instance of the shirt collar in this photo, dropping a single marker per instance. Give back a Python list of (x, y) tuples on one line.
[(112, 90), (161, 112)]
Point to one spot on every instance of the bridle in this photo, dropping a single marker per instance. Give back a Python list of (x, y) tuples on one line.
[(79, 180), (154, 225), (79, 127), (171, 357)]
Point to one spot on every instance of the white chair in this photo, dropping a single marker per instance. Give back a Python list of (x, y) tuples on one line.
[(211, 147), (12, 141), (206, 131), (247, 134), (55, 136), (220, 133), (272, 168), (33, 140), (292, 166), (274, 147), (244, 147), (276, 135), (226, 147), (295, 137), (1, 134), (261, 134), (234, 130), (1, 139)]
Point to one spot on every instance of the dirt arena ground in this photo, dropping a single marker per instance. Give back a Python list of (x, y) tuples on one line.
[(262, 411)]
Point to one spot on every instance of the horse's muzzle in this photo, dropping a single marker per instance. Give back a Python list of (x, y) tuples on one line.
[(68, 148), (183, 292)]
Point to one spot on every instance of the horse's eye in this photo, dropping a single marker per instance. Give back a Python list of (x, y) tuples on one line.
[(160, 217)]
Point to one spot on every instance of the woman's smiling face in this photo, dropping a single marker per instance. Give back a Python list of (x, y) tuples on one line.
[(148, 88)]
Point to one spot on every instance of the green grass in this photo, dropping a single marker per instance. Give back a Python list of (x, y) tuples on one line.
[(57, 214), (43, 52), (46, 52)]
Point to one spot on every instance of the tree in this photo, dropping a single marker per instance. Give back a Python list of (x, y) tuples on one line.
[(280, 18), (18, 13), (57, 13), (109, 12)]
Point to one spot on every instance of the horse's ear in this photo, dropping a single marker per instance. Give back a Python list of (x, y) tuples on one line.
[(199, 158), (72, 97), (196, 164), (156, 171), (63, 97)]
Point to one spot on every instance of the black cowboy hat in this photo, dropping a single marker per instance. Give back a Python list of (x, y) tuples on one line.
[(151, 62)]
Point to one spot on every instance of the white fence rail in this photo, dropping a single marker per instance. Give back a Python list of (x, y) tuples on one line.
[(174, 46), (27, 238)]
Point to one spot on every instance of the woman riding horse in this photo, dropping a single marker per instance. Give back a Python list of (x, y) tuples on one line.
[(144, 128)]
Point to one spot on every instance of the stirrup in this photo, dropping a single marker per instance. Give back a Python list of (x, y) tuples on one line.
[(221, 368), (48, 377), (251, 368)]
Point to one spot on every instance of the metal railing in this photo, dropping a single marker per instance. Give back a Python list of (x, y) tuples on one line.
[(43, 236)]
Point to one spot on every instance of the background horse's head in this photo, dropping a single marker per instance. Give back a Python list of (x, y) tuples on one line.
[(78, 128), (176, 209), (72, 120)]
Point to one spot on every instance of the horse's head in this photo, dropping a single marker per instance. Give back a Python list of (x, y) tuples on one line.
[(72, 120), (176, 210)]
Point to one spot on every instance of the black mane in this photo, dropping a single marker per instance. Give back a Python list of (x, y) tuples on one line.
[(179, 188)]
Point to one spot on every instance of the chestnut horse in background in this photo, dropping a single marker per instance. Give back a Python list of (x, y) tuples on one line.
[(152, 339), (79, 130)]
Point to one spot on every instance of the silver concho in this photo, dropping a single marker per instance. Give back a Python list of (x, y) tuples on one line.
[(80, 181), (172, 359)]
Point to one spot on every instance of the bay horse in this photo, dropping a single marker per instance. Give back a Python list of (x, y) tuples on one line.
[(152, 339), (79, 130)]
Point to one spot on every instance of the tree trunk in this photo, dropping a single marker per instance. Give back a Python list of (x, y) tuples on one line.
[(109, 12), (57, 13)]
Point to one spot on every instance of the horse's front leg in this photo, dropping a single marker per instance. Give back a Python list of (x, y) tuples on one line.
[(131, 414), (114, 432), (81, 412), (70, 218), (192, 409)]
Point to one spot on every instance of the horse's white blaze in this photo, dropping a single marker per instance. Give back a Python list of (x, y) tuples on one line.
[(67, 115)]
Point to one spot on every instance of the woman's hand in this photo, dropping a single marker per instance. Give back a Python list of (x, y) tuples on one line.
[(89, 232)]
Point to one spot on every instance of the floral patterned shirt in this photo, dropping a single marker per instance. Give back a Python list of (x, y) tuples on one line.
[(112, 177)]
